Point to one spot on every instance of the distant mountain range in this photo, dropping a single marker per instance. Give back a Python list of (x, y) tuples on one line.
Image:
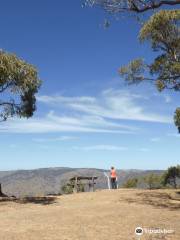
[(50, 180)]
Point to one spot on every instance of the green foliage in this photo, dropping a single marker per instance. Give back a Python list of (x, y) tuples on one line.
[(163, 33), (171, 175), (156, 181), (133, 72), (81, 187), (18, 85), (150, 181), (67, 189), (153, 181), (131, 183), (177, 118), (159, 26)]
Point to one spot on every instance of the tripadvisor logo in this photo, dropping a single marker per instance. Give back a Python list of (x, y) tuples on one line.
[(139, 231)]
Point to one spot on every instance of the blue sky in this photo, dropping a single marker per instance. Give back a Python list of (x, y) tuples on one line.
[(86, 116)]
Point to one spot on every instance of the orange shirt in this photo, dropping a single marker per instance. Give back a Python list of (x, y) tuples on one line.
[(113, 173)]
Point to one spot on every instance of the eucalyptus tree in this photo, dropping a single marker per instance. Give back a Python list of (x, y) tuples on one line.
[(19, 83), (162, 31)]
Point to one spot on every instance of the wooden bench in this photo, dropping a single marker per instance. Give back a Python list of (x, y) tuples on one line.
[(78, 181)]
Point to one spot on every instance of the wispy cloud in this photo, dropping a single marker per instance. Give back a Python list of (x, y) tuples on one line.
[(167, 99), (163, 96), (176, 135), (113, 104), (101, 148), (143, 149), (106, 147), (104, 113), (56, 139), (156, 139), (53, 123)]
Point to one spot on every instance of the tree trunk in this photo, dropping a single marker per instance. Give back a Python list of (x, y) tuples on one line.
[(0, 190), (175, 184), (1, 193)]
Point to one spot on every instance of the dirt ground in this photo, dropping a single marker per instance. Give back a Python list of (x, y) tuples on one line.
[(103, 215)]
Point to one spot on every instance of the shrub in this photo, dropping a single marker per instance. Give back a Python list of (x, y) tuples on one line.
[(131, 183)]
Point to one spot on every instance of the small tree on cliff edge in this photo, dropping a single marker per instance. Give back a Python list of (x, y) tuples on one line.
[(171, 176), (153, 181)]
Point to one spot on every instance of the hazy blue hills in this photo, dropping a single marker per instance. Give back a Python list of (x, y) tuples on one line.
[(50, 180)]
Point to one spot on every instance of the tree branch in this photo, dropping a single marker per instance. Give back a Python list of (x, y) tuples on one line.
[(3, 88), (155, 5), (137, 6)]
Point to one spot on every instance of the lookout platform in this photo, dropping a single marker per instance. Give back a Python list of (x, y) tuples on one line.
[(87, 181)]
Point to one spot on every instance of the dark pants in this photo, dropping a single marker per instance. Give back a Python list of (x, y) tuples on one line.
[(113, 183)]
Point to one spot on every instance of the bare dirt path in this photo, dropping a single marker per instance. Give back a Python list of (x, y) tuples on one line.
[(101, 215)]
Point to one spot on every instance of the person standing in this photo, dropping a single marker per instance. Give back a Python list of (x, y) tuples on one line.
[(113, 178)]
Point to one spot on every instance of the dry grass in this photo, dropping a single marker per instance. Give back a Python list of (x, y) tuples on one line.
[(101, 215)]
